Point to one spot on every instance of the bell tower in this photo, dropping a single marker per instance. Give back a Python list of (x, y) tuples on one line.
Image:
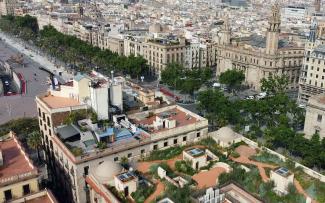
[(317, 5), (225, 32), (273, 31)]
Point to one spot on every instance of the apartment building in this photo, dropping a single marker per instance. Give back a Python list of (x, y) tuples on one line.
[(74, 150), (315, 116), (7, 7), (161, 51), (19, 181), (312, 78), (76, 143)]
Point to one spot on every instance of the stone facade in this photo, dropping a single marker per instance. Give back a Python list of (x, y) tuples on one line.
[(315, 116), (7, 7), (258, 57), (313, 70)]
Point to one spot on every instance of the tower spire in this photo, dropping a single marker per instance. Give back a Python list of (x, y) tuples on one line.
[(225, 32), (317, 5), (273, 30)]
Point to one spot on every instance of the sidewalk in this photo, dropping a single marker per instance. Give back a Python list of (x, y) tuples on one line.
[(42, 60)]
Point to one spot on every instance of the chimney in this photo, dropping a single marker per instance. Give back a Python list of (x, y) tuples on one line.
[(112, 73), (1, 158)]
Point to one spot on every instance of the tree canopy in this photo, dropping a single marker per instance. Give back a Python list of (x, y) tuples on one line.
[(186, 80), (82, 55), (233, 78), (275, 84)]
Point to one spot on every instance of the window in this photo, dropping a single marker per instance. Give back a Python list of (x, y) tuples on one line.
[(26, 189), (48, 121), (175, 141), (184, 139), (198, 134), (166, 144), (8, 195), (319, 118), (155, 147), (39, 112), (116, 158), (142, 151), (50, 133), (129, 155), (86, 170), (316, 131)]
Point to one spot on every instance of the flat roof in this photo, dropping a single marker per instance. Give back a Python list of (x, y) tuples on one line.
[(14, 162), (196, 152), (282, 171), (126, 177), (55, 102)]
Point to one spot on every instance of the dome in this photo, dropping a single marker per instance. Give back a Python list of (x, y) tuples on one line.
[(226, 131), (107, 170)]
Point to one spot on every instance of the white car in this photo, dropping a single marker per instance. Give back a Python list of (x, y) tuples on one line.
[(250, 98), (6, 83)]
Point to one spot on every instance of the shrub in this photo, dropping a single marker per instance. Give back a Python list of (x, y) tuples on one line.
[(165, 154), (235, 154), (142, 193), (184, 167), (22, 127), (77, 151)]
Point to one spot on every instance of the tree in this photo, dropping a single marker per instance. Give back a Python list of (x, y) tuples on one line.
[(232, 78), (275, 84), (34, 141), (217, 108)]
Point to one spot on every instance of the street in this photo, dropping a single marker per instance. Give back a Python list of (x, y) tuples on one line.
[(12, 107)]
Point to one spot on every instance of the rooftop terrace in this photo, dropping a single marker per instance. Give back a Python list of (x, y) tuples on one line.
[(146, 120), (55, 102)]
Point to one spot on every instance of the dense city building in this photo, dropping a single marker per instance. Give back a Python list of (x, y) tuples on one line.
[(260, 57), (315, 116), (312, 79), (72, 147)]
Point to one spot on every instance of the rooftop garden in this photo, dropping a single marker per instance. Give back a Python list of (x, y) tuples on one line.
[(312, 186), (252, 182), (142, 193), (81, 114), (165, 154)]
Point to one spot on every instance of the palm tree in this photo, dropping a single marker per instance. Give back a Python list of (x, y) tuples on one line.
[(34, 141)]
